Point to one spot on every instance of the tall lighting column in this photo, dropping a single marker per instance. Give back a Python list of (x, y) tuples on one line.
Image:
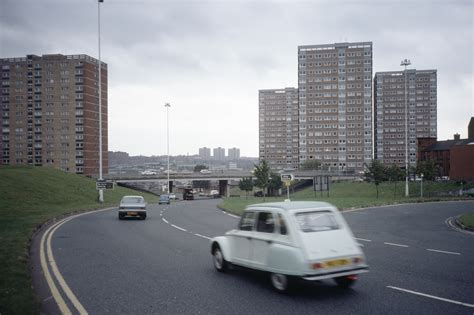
[(406, 63), (101, 191), (167, 105)]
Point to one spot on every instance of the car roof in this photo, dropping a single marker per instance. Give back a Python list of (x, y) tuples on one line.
[(132, 197), (292, 206)]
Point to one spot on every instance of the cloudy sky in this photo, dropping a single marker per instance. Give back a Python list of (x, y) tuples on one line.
[(210, 58)]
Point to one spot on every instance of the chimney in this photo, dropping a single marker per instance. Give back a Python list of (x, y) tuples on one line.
[(457, 136)]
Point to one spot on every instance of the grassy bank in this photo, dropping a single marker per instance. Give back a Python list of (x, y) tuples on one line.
[(28, 197), (346, 195)]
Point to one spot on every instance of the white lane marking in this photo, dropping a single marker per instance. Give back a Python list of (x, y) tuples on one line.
[(362, 239), (52, 287), (443, 251), (179, 228), (165, 220), (431, 296), (206, 237), (393, 244)]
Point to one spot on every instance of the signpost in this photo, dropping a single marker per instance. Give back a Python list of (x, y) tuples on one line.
[(103, 184), (287, 178)]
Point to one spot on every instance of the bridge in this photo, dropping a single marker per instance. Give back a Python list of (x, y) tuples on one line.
[(224, 177)]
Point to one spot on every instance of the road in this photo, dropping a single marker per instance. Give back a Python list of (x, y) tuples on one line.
[(419, 265)]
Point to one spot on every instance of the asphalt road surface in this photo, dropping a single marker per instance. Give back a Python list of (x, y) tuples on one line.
[(418, 265)]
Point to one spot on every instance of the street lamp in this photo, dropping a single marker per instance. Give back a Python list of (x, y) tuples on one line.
[(167, 105), (406, 63), (101, 191), (421, 184)]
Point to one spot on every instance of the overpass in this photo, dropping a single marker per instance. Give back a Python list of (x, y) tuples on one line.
[(224, 177)]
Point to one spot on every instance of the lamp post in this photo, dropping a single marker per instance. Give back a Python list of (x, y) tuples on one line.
[(101, 191), (167, 105), (406, 63), (421, 184)]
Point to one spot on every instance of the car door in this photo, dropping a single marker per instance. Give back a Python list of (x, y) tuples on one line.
[(240, 239), (262, 239)]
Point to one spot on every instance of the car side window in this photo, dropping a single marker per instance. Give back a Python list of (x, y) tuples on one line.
[(265, 222), (247, 221), (282, 223)]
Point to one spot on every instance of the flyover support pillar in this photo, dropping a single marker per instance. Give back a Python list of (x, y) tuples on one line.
[(224, 188)]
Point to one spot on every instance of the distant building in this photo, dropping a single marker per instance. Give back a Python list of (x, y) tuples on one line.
[(218, 154), (233, 154), (205, 153), (278, 128), (454, 158), (50, 113), (390, 113), (335, 104)]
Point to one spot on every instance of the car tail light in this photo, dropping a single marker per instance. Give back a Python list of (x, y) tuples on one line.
[(357, 260), (317, 266), (352, 277)]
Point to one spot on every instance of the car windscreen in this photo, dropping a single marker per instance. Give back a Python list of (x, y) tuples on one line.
[(132, 200), (316, 221)]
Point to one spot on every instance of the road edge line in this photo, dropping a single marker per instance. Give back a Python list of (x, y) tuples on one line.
[(57, 274), (63, 308)]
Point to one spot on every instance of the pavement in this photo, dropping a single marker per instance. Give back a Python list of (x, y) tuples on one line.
[(418, 265)]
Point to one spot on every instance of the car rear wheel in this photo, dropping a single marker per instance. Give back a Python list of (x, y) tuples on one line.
[(346, 281), (280, 282), (219, 262)]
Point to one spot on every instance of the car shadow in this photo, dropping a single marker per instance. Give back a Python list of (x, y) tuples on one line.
[(320, 289)]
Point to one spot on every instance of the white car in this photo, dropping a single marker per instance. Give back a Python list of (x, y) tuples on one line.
[(205, 171), (149, 172), (306, 240), (132, 206)]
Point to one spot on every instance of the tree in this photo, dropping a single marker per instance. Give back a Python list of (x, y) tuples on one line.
[(428, 168), (262, 174), (376, 173), (274, 184), (311, 165), (246, 184), (395, 174), (200, 167)]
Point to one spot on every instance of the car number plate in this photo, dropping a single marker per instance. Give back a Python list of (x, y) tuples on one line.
[(131, 213), (336, 263)]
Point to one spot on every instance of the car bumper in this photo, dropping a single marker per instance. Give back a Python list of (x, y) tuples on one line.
[(132, 212), (335, 274)]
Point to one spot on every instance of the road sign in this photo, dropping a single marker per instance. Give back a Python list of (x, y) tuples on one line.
[(287, 177), (103, 184)]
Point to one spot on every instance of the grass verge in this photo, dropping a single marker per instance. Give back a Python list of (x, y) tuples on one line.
[(467, 220), (346, 195), (29, 196)]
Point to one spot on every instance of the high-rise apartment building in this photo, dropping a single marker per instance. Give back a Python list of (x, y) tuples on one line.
[(50, 112), (390, 113), (335, 104), (218, 154), (278, 128), (205, 153), (233, 153)]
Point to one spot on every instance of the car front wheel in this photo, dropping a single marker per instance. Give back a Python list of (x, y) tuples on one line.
[(346, 281), (219, 262), (280, 282)]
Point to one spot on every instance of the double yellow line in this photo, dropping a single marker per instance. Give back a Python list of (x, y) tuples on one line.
[(48, 262)]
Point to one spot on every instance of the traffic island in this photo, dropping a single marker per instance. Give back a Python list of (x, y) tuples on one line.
[(466, 221)]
